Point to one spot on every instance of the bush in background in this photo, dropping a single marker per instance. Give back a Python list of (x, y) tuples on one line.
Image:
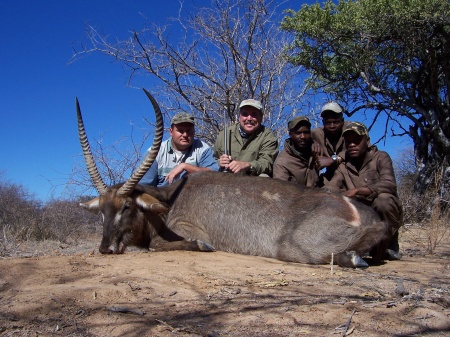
[(24, 218), (428, 210)]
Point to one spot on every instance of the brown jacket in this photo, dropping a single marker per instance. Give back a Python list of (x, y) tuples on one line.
[(376, 173), (318, 135), (290, 165)]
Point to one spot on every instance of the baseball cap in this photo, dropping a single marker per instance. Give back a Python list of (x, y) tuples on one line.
[(356, 127), (251, 102), (333, 107), (296, 120), (182, 117)]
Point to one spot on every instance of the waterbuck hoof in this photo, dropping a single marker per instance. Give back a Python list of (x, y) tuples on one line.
[(359, 262), (105, 250), (392, 255), (205, 247), (351, 260)]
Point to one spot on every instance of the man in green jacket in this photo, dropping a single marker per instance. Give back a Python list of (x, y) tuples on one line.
[(367, 174), (251, 147)]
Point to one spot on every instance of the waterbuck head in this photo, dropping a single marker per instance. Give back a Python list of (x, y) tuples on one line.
[(126, 209)]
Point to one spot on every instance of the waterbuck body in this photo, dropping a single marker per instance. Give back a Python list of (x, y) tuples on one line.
[(221, 211)]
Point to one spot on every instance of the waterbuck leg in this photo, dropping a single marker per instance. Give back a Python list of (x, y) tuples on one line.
[(191, 245)]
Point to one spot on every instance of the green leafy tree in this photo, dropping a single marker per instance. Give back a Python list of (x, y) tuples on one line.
[(389, 59)]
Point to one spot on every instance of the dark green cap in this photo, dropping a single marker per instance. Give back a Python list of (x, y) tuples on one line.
[(296, 120)]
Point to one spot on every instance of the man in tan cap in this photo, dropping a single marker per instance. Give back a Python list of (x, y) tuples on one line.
[(295, 162), (368, 175), (329, 147), (181, 154), (251, 147)]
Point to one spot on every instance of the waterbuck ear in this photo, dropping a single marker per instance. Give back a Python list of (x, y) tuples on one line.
[(92, 205), (147, 202)]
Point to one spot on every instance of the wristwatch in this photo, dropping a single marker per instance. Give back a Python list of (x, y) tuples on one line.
[(335, 158)]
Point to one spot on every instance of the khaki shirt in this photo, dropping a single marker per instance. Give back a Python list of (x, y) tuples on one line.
[(260, 149)]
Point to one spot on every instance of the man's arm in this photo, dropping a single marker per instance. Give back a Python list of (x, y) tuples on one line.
[(383, 180), (205, 163)]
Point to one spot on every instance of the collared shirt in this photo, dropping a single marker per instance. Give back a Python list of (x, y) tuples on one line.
[(199, 154)]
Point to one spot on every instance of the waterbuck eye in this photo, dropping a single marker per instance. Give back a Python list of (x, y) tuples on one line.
[(125, 207)]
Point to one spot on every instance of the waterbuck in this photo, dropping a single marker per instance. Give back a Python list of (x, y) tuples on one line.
[(246, 215)]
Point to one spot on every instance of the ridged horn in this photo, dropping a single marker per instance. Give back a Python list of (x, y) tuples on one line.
[(131, 183), (90, 163)]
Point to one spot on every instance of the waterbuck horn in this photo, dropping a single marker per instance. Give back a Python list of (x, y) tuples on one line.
[(89, 159), (130, 184)]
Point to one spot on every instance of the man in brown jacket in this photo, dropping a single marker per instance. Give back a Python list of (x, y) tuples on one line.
[(329, 147), (367, 174), (295, 162)]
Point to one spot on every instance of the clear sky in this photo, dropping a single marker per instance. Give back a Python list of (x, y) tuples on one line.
[(38, 85)]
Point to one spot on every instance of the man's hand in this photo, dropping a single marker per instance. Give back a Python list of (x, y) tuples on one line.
[(351, 193), (238, 166), (316, 149), (225, 160), (231, 165), (176, 171), (361, 191), (323, 161)]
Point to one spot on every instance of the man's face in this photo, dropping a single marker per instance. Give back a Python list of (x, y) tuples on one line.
[(333, 124), (301, 136), (182, 136), (357, 145), (250, 119)]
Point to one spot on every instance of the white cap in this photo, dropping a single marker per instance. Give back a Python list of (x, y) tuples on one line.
[(251, 102), (331, 106)]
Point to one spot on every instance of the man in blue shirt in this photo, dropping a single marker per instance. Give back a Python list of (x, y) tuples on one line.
[(181, 154)]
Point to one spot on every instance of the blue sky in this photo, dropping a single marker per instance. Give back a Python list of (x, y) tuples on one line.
[(38, 86)]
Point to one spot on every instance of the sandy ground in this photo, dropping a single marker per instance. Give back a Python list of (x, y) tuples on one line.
[(72, 290)]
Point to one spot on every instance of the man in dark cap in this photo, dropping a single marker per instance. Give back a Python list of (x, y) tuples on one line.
[(181, 154), (329, 147), (367, 174), (252, 148), (296, 162)]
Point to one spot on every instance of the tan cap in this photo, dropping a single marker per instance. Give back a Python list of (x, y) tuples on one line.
[(333, 107), (252, 102), (296, 120), (182, 117), (356, 127)]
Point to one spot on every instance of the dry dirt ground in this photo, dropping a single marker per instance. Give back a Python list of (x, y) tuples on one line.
[(72, 290)]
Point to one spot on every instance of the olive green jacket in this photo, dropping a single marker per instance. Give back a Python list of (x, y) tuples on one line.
[(260, 149)]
